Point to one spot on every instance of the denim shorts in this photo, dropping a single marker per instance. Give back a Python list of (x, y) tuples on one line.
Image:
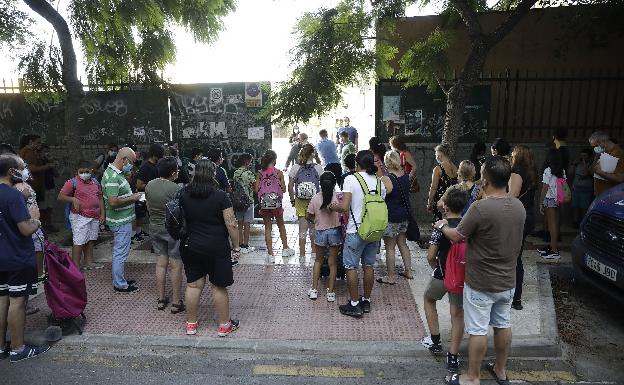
[(482, 309), (329, 237), (550, 203), (356, 249), (246, 216), (395, 229)]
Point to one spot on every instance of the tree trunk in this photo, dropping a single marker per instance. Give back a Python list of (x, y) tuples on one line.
[(73, 86), (459, 93)]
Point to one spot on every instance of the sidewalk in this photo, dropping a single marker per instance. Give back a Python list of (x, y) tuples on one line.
[(271, 303)]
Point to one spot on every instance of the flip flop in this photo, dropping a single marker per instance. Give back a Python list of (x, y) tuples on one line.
[(452, 380), (380, 280), (490, 368)]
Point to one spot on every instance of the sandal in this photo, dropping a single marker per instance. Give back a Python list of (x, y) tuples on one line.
[(381, 280), (177, 307), (490, 368), (162, 303), (404, 275)]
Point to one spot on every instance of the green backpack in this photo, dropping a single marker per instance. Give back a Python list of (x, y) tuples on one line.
[(374, 213)]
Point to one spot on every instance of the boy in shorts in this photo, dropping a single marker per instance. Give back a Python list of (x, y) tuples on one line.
[(453, 201)]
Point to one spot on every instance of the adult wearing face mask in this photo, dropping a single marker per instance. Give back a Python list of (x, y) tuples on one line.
[(444, 176), (84, 194), (602, 144), (119, 205)]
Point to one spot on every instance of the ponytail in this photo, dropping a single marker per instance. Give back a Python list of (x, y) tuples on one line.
[(327, 182), (366, 160)]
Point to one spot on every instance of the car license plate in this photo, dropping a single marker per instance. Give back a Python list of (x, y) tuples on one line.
[(601, 268)]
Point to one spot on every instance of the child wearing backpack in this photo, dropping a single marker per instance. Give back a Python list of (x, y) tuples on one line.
[(270, 187), (328, 233), (84, 195), (243, 186), (552, 179), (453, 201), (303, 184), (363, 200)]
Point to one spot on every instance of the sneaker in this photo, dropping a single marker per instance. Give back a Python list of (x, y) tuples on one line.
[(331, 297), (426, 342), (129, 289), (350, 310), (234, 262), (436, 349), (29, 351), (312, 293), (544, 250), (452, 363), (517, 305), (551, 255), (250, 249), (365, 304), (5, 353), (288, 253), (138, 238), (270, 259), (191, 328), (228, 328), (244, 250)]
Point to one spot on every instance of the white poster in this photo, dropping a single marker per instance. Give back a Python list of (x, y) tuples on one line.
[(253, 95), (256, 133)]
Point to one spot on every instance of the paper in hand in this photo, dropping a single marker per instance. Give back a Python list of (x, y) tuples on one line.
[(608, 163)]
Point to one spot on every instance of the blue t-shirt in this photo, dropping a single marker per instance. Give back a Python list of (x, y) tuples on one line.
[(327, 150), (16, 251), (352, 135), (398, 200), (222, 178)]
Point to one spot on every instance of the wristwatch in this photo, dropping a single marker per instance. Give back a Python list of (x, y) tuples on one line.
[(441, 226)]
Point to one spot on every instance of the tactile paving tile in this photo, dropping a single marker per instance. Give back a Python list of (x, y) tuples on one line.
[(270, 301)]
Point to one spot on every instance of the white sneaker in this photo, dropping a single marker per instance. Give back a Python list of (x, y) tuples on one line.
[(270, 259), (426, 342), (250, 249), (331, 297), (551, 255), (312, 293), (288, 253), (244, 250)]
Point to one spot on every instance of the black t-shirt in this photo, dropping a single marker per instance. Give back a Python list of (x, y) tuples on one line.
[(565, 157), (206, 226), (438, 239), (527, 193), (147, 172)]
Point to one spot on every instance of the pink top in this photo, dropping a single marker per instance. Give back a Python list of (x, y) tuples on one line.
[(88, 193), (323, 219)]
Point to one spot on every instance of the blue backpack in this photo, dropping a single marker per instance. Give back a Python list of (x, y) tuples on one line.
[(69, 205)]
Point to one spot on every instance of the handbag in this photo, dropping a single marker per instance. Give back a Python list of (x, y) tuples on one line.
[(414, 185), (413, 231)]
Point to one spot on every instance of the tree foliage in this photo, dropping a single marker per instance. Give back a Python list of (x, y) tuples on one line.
[(14, 25)]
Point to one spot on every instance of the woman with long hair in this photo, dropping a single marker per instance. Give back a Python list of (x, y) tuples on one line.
[(270, 187), (477, 157), (328, 234), (303, 184), (522, 185), (211, 225), (444, 176), (548, 201), (398, 219), (357, 250)]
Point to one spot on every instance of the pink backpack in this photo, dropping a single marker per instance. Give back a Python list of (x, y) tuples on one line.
[(65, 286), (270, 189)]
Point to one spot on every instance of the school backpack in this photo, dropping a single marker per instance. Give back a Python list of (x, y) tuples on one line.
[(564, 195), (65, 289), (374, 212), (455, 268), (175, 220), (68, 206), (240, 199), (307, 182), (270, 190)]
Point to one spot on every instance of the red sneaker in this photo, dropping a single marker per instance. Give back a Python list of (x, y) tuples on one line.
[(228, 328)]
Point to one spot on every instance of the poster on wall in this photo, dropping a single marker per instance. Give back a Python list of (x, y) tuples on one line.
[(414, 122), (216, 100), (255, 133), (391, 106), (253, 95)]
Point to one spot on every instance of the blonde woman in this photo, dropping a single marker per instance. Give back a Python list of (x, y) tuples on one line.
[(398, 218), (466, 173)]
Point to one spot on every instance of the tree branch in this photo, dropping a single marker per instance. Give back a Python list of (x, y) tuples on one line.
[(441, 84), (512, 20), (69, 65), (470, 18)]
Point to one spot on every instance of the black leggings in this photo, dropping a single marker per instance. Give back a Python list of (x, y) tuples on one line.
[(528, 228)]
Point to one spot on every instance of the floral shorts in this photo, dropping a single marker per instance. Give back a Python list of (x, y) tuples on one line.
[(550, 203), (395, 229)]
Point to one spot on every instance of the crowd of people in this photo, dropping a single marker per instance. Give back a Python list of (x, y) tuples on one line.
[(347, 200)]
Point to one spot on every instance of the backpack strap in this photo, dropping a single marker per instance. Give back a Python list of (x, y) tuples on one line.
[(398, 182), (73, 181)]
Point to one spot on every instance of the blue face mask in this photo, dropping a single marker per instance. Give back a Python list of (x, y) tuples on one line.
[(127, 168)]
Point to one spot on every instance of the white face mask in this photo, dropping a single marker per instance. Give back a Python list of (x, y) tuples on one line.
[(85, 176), (26, 175)]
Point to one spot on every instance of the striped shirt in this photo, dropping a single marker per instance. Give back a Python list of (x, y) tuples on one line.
[(114, 184)]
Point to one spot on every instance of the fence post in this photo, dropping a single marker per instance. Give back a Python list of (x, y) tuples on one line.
[(506, 106)]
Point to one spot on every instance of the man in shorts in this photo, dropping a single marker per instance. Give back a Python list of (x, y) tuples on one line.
[(493, 230), (18, 273)]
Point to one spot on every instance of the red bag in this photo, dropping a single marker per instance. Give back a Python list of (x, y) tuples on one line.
[(455, 268)]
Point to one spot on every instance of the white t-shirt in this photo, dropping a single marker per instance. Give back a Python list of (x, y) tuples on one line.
[(295, 169), (352, 185), (551, 180)]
